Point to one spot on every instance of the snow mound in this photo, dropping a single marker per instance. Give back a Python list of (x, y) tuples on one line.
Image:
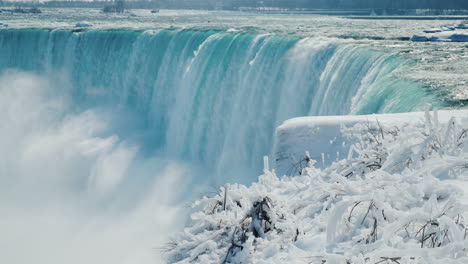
[(462, 26), (421, 38), (433, 30), (393, 200), (83, 25)]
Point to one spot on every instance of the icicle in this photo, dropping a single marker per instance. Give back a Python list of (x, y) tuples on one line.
[(266, 166), (225, 196), (454, 135), (436, 117), (350, 152), (310, 162), (428, 119)]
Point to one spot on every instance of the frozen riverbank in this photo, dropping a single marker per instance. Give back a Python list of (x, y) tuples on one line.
[(397, 198)]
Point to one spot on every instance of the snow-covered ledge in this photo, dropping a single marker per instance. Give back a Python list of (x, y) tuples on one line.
[(321, 136)]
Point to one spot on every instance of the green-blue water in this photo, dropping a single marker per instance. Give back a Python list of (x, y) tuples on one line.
[(209, 96)]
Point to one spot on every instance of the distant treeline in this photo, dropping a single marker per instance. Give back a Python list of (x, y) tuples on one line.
[(283, 4), (357, 4)]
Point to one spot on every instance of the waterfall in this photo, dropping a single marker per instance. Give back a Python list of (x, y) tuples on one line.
[(213, 97), (105, 135)]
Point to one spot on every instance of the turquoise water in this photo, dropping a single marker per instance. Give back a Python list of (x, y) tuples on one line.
[(209, 96)]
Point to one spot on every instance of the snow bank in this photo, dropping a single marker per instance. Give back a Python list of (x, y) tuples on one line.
[(394, 200), (322, 136)]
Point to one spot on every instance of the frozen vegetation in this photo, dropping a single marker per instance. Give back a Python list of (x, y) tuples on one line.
[(322, 138), (395, 198)]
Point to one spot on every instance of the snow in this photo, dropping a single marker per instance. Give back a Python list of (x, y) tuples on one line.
[(454, 36), (398, 198), (445, 33), (433, 30), (321, 135), (420, 38), (83, 24)]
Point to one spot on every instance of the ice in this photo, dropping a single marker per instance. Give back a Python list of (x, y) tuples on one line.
[(445, 33), (433, 30), (459, 37), (420, 38), (442, 37), (83, 24)]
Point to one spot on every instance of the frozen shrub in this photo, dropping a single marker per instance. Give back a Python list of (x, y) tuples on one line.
[(393, 200)]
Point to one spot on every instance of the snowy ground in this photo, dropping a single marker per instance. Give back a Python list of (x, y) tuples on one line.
[(397, 197), (322, 137)]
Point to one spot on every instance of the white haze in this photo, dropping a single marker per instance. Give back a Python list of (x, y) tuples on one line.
[(69, 184)]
